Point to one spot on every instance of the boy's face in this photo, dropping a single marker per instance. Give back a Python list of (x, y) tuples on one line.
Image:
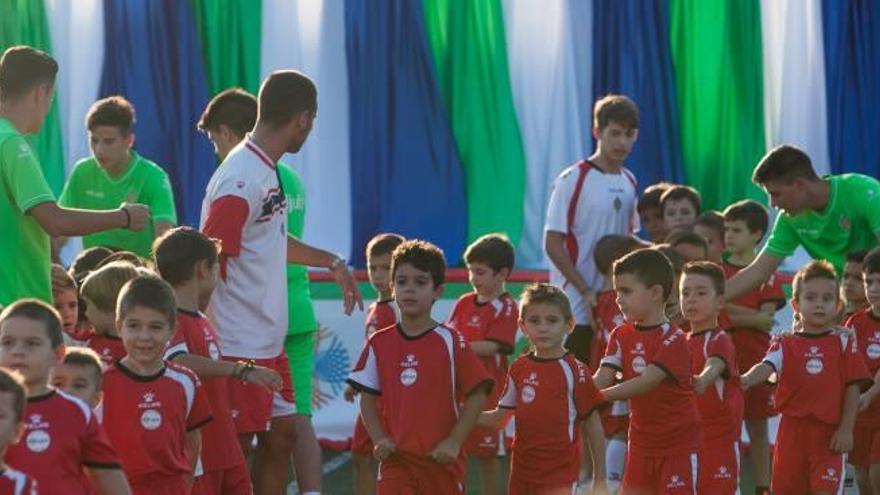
[(485, 280), (10, 425), (636, 301), (691, 252), (145, 333), (67, 304), (817, 302), (652, 221), (110, 146), (545, 326), (872, 290), (853, 285), (714, 239), (25, 347), (615, 141), (738, 238), (699, 301), (77, 380), (379, 271), (414, 290), (679, 214), (103, 322)]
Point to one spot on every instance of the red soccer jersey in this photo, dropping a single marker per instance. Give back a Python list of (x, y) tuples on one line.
[(381, 314), (147, 419), (14, 482), (721, 404), (751, 344), (421, 380), (550, 397), (108, 347), (495, 321), (195, 335), (813, 370), (867, 329), (663, 421), (606, 316), (61, 438)]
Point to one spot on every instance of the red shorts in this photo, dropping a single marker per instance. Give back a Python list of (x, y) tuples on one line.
[(361, 443), (615, 419), (719, 468), (161, 485), (230, 481), (758, 402), (751, 347), (521, 487), (866, 447), (803, 462), (668, 474), (484, 443), (252, 406), (398, 476)]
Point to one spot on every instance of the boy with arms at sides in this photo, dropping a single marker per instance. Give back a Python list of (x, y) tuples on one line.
[(853, 287), (650, 213), (63, 446), (716, 378), (550, 393), (419, 435), (487, 318), (80, 374), (100, 290), (819, 375), (12, 401), (653, 357), (153, 409), (681, 206), (381, 314)]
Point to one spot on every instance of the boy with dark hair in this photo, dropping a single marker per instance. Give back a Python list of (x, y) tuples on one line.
[(681, 206), (28, 210), (419, 435), (852, 288), (153, 409), (228, 117), (80, 374), (690, 245), (64, 447), (12, 401), (710, 226), (487, 318), (819, 375), (654, 359), (651, 214)]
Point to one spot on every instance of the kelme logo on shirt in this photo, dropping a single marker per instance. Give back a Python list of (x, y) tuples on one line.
[(151, 418), (830, 475), (38, 439), (675, 481), (409, 374)]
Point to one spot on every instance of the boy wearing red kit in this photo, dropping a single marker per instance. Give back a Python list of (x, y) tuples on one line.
[(487, 317), (716, 383), (12, 401), (653, 357), (819, 374), (419, 435)]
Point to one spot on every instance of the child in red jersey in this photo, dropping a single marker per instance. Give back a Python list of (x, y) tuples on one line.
[(654, 360), (423, 371), (853, 288), (99, 291), (487, 318), (12, 401), (550, 393), (745, 223), (63, 446), (651, 214), (188, 260), (153, 409), (819, 374), (716, 378), (865, 455), (381, 314), (710, 226), (80, 374), (680, 206), (65, 298)]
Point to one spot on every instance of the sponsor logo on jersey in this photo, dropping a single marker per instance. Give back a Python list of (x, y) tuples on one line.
[(409, 374), (37, 439)]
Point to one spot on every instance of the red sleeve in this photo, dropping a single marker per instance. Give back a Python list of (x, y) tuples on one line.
[(200, 412), (586, 396), (673, 357), (724, 321), (502, 330), (226, 219), (450, 322), (855, 368), (614, 351), (97, 452), (721, 347), (772, 292), (470, 374)]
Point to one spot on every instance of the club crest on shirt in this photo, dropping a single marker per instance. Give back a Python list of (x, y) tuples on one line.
[(639, 365), (409, 374), (873, 350), (37, 439), (527, 394), (617, 203), (814, 364), (845, 223)]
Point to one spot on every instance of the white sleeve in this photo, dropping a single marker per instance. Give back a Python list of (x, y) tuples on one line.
[(508, 396), (365, 375), (560, 197)]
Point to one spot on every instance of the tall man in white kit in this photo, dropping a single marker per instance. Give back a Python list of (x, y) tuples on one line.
[(245, 208)]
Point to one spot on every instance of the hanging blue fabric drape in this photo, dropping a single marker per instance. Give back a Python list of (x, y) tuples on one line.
[(154, 59), (851, 31), (631, 56), (406, 176)]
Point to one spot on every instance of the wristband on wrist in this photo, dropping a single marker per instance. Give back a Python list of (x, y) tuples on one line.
[(337, 262), (127, 217), (244, 368)]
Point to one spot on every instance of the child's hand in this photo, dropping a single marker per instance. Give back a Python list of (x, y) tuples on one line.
[(264, 377), (349, 394), (445, 452), (383, 449), (842, 441)]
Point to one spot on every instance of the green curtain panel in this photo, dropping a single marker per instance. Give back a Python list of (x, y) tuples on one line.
[(470, 57), (231, 32), (716, 51), (24, 22)]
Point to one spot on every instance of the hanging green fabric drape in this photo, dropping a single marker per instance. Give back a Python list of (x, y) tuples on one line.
[(231, 33), (24, 22), (470, 57), (716, 51)]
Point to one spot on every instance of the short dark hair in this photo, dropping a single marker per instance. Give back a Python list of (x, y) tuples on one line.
[(11, 382), (492, 250), (712, 220), (22, 68), (651, 196), (650, 267), (235, 108), (812, 270), (284, 94), (87, 358), (856, 256), (86, 261), (113, 111), (690, 238), (178, 250), (709, 269), (784, 164), (612, 247), (36, 310), (680, 191), (871, 263), (750, 212), (615, 108), (101, 287), (675, 258), (539, 293), (423, 256), (383, 244), (127, 256), (147, 291)]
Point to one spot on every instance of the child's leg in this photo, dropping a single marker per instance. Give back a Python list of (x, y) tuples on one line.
[(490, 472), (759, 451), (615, 460), (863, 480), (365, 468), (873, 480)]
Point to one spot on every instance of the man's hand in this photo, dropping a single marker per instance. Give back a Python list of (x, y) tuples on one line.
[(446, 452), (349, 394), (350, 291), (383, 448), (589, 298), (139, 216)]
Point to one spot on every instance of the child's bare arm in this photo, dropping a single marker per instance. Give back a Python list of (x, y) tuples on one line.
[(715, 366), (604, 377), (642, 384), (596, 441), (842, 441), (485, 348), (868, 397), (382, 445), (447, 450), (194, 450), (205, 368), (758, 374), (110, 481), (495, 419), (741, 316)]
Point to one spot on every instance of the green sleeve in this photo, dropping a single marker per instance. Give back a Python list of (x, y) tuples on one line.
[(68, 197), (21, 173), (161, 200), (783, 238), (867, 195)]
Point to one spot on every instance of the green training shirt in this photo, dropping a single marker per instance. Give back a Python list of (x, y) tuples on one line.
[(301, 313)]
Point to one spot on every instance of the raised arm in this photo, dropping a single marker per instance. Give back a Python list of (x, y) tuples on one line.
[(59, 221), (752, 276)]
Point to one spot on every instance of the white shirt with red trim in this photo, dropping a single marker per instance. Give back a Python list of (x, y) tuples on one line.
[(585, 205), (246, 209)]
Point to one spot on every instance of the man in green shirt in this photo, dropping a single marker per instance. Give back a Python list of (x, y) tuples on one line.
[(28, 212), (829, 216), (115, 174)]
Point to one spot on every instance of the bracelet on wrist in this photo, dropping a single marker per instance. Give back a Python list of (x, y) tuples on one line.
[(245, 368), (336, 263), (127, 217)]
